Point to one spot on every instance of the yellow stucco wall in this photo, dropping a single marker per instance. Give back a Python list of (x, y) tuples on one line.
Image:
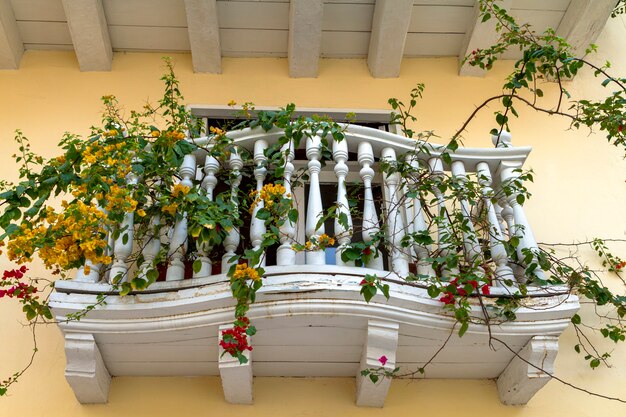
[(579, 193)]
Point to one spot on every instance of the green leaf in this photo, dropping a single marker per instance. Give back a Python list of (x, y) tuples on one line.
[(433, 291), (374, 378), (293, 215), (576, 319), (594, 363), (520, 199), (463, 329), (197, 265)]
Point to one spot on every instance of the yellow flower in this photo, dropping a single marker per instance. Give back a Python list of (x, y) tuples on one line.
[(170, 208), (243, 272), (216, 130), (325, 240), (180, 189), (232, 103), (141, 213), (155, 133)]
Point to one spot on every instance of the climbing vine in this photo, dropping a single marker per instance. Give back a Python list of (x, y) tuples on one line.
[(129, 182)]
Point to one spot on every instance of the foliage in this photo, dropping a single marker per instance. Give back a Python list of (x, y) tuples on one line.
[(124, 184)]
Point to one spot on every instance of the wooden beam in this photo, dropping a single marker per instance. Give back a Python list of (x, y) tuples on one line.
[(382, 340), (305, 37), (390, 25), (583, 22), (480, 35), (204, 35), (236, 377), (90, 34), (528, 372), (85, 370), (11, 45)]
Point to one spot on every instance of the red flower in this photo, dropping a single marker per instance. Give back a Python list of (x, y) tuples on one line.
[(383, 360), (367, 251), (363, 282), (447, 299), (485, 290), (473, 283), (620, 128), (461, 292)]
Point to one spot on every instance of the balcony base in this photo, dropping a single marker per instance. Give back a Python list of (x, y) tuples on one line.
[(311, 325)]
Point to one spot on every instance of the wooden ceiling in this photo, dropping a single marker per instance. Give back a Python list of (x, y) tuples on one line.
[(382, 31)]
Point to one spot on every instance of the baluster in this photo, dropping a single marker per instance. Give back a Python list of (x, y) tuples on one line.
[(496, 237), (231, 242), (507, 215), (151, 246), (109, 252), (94, 269), (315, 211), (257, 226), (395, 225), (522, 228), (444, 230), (370, 218), (473, 252), (285, 255), (343, 233), (417, 224), (211, 165), (123, 246), (178, 244)]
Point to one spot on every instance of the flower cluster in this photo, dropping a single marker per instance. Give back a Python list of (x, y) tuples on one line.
[(112, 155), (173, 136), (235, 341), (456, 288), (320, 242), (270, 195), (620, 266), (18, 289), (243, 273), (68, 239), (120, 199)]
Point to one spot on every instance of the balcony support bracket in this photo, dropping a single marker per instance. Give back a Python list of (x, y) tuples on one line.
[(236, 377), (85, 370), (382, 341), (529, 370)]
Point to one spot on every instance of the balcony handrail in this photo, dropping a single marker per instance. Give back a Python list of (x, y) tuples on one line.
[(380, 139)]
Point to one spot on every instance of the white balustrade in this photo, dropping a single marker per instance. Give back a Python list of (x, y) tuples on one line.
[(285, 255), (123, 246), (395, 224), (257, 226), (370, 218), (231, 242), (404, 211), (343, 218), (178, 243), (315, 211), (503, 271)]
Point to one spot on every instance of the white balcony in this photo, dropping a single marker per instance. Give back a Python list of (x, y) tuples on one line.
[(311, 319)]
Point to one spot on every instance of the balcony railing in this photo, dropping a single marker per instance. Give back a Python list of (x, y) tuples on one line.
[(309, 308)]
